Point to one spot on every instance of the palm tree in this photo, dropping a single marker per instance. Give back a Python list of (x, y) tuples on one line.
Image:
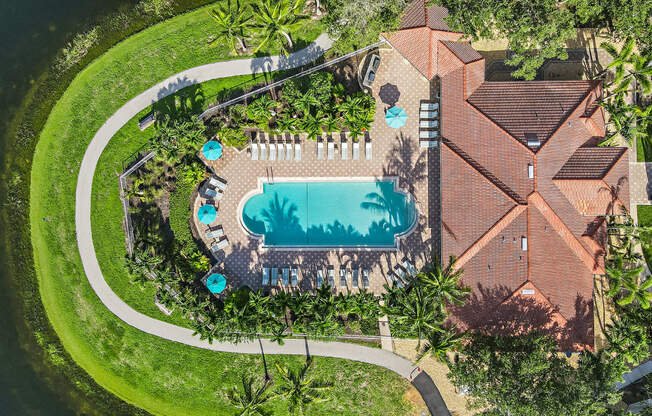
[(299, 389), (439, 342), (630, 280), (619, 272), (312, 126), (626, 120), (250, 400), (231, 23), (330, 122), (277, 19), (443, 284), (628, 67), (628, 340)]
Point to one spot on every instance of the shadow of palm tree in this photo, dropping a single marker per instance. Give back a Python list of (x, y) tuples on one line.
[(183, 103)]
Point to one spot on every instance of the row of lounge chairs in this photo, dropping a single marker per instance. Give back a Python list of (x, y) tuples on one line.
[(289, 276), (429, 124), (344, 150), (278, 150)]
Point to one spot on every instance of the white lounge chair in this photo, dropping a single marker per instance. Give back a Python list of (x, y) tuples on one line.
[(218, 183), (320, 277), (272, 151), (263, 151), (345, 150), (265, 276), (288, 151), (222, 243), (320, 150), (297, 151), (365, 277), (367, 151), (214, 233), (354, 278), (294, 276), (331, 277), (428, 124), (356, 150), (409, 267), (429, 106), (281, 151), (428, 143), (395, 279), (331, 150), (274, 275), (398, 270), (428, 114), (286, 276), (254, 151), (428, 134), (342, 277), (209, 192)]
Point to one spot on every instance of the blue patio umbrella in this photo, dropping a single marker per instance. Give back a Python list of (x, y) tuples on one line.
[(207, 214), (396, 117), (216, 283), (212, 150)]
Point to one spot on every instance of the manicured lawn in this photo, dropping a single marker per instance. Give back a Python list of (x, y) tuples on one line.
[(645, 219), (644, 147), (162, 377)]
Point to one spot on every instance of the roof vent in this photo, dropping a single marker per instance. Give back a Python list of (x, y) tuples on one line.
[(527, 292), (524, 243), (530, 171), (532, 140)]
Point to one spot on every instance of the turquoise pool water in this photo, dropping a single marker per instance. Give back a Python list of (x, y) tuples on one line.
[(367, 213)]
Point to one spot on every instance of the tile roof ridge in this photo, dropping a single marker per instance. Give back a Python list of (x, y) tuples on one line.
[(489, 235), (565, 233), (511, 194)]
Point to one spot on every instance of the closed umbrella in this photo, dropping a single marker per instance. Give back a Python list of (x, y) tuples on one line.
[(207, 214), (396, 117), (216, 283), (212, 150)]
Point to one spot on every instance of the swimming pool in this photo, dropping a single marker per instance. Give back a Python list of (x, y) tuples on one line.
[(322, 213)]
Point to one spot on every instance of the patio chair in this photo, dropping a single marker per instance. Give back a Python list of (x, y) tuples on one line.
[(265, 276), (274, 275), (365, 278), (356, 150), (288, 151), (354, 277), (428, 114), (398, 270), (428, 124), (395, 279), (219, 232), (367, 151), (320, 150), (320, 277), (331, 277), (345, 150), (429, 106), (286, 276), (342, 277), (209, 193), (254, 151), (263, 151), (409, 267), (272, 151), (217, 182), (297, 151), (294, 276), (428, 134), (331, 150), (222, 243)]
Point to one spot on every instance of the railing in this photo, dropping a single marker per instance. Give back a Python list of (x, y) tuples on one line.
[(125, 201), (212, 110)]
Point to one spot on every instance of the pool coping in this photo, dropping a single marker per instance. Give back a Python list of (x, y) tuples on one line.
[(259, 190)]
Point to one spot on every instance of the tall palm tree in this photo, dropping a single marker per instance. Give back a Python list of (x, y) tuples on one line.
[(232, 22), (277, 19), (299, 389), (443, 284), (628, 66), (439, 342), (250, 400), (628, 340), (628, 121)]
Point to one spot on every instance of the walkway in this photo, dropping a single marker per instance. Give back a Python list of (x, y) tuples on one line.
[(175, 333)]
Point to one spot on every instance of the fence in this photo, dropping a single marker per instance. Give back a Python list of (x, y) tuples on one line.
[(212, 110)]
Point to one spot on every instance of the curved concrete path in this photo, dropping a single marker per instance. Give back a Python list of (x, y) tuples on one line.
[(165, 330)]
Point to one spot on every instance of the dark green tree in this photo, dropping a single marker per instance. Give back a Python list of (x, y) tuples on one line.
[(300, 389)]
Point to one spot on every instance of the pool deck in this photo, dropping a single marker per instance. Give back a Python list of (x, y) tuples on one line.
[(396, 152)]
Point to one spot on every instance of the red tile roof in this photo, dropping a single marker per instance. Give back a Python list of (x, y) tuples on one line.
[(418, 15), (534, 108), (510, 231)]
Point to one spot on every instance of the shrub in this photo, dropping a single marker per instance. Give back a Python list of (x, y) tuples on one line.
[(77, 49), (233, 137)]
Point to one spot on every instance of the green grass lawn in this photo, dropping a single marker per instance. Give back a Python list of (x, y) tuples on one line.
[(161, 376), (645, 219), (644, 147)]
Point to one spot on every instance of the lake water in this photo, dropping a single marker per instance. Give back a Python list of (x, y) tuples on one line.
[(31, 31)]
